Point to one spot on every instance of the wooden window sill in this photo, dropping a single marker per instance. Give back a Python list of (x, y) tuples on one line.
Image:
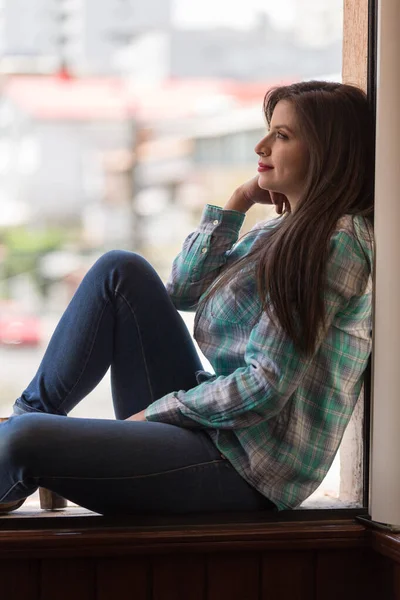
[(116, 536), (386, 543)]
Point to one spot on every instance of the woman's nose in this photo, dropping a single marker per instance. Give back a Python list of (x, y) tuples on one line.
[(263, 147)]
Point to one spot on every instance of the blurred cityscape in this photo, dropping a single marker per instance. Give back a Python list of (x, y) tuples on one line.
[(119, 121)]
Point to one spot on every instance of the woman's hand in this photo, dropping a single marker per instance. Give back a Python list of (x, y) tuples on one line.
[(281, 202), (137, 417), (250, 193)]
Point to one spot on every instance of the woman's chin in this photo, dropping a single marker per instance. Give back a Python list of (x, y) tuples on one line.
[(265, 183)]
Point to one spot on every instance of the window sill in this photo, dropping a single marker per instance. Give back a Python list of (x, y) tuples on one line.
[(96, 535), (75, 531)]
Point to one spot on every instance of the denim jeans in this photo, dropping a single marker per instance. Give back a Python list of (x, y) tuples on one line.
[(120, 317)]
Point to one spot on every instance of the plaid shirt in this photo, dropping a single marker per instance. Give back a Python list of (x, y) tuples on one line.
[(277, 416)]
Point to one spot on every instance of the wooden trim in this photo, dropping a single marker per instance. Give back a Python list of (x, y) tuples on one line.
[(359, 68), (387, 544), (216, 538), (355, 42)]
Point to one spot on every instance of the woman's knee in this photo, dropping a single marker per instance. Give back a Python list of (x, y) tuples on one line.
[(19, 436), (123, 262), (118, 267), (117, 258)]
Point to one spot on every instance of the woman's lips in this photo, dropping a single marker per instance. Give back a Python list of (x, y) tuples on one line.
[(262, 168)]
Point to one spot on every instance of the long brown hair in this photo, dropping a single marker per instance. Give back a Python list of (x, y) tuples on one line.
[(336, 123)]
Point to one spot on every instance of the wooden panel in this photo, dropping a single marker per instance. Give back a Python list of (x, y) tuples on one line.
[(233, 577), (386, 577), (288, 576), (347, 575), (355, 42), (122, 579), (179, 577), (19, 579), (396, 582), (68, 579)]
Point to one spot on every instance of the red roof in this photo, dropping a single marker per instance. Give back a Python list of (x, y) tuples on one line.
[(57, 97), (54, 97)]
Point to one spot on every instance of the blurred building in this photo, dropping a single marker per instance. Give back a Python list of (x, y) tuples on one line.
[(126, 166), (245, 55), (66, 154), (37, 35), (199, 158), (139, 39), (318, 24)]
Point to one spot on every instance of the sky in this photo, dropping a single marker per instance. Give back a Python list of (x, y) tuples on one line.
[(233, 13)]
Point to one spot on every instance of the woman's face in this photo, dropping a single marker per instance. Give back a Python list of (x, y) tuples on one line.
[(283, 163)]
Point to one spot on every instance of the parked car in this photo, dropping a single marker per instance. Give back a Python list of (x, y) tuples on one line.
[(19, 328)]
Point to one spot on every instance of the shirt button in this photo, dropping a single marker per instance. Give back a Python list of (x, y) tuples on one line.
[(204, 250), (215, 222)]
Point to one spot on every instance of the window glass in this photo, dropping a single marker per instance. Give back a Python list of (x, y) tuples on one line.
[(118, 124)]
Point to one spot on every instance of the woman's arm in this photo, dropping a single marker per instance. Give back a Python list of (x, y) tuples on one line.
[(204, 254), (206, 251), (274, 369)]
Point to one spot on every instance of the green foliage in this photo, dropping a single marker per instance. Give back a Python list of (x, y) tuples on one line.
[(19, 240), (24, 248)]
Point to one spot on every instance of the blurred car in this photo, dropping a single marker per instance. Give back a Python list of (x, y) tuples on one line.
[(20, 329)]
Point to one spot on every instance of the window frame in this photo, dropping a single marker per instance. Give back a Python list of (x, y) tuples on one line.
[(358, 67)]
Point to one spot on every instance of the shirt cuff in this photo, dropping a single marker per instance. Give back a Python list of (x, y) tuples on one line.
[(166, 410), (214, 217)]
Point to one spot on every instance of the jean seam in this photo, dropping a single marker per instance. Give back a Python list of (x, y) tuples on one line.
[(148, 476), (140, 342), (10, 490), (134, 477), (60, 406)]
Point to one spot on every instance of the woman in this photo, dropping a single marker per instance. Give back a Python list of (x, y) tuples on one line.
[(284, 317)]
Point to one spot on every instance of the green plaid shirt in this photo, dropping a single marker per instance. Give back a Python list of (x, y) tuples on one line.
[(276, 416)]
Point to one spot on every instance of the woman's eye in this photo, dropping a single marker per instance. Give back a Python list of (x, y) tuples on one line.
[(281, 135)]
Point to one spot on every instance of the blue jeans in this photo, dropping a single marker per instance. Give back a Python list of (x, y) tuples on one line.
[(120, 317)]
